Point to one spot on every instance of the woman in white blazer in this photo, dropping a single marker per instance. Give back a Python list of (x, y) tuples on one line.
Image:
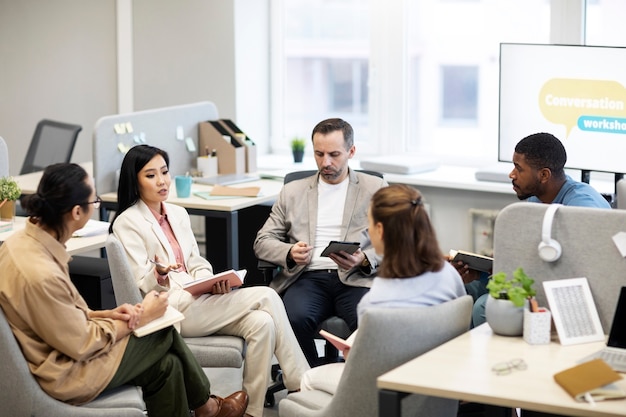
[(151, 229)]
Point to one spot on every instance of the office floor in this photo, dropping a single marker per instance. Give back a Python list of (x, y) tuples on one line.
[(225, 381)]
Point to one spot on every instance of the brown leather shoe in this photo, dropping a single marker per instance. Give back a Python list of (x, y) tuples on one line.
[(232, 406)]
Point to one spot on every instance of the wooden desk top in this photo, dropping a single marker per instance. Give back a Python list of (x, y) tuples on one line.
[(461, 369), (269, 192), (74, 246)]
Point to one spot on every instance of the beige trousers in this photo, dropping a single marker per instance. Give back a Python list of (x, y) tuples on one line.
[(256, 314)]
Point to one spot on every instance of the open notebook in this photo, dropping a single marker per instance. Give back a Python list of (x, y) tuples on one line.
[(615, 351)]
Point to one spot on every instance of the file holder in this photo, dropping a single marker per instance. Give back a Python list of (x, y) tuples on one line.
[(537, 326), (231, 155), (243, 139)]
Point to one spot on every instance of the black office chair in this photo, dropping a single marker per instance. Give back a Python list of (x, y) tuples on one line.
[(334, 325), (52, 142)]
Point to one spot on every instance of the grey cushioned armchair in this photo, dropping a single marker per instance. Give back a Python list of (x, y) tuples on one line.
[(213, 351), (387, 338), (21, 395)]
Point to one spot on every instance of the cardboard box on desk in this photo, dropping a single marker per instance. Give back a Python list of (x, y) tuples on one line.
[(242, 138), (231, 155)]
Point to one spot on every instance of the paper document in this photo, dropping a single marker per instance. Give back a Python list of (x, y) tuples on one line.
[(170, 317)]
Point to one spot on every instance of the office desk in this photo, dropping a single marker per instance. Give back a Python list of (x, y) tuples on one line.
[(74, 246), (461, 369), (222, 254)]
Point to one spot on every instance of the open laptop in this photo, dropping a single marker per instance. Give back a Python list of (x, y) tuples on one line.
[(226, 179), (615, 352)]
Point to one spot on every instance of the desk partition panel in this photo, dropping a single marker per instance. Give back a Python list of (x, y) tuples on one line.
[(174, 129)]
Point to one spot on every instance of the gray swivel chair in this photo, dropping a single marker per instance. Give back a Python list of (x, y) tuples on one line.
[(52, 142), (21, 395), (215, 351), (4, 158), (387, 338)]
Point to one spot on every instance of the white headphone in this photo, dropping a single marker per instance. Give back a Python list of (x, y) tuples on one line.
[(549, 249)]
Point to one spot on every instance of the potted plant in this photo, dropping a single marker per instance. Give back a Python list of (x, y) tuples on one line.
[(505, 305), (297, 148), (9, 192)]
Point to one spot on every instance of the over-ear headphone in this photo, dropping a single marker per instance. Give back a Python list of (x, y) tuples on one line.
[(549, 249)]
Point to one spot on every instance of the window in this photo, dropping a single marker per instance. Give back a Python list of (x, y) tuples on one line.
[(325, 48), (459, 93), (412, 75)]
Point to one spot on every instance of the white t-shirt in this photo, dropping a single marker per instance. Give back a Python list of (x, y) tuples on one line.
[(331, 200)]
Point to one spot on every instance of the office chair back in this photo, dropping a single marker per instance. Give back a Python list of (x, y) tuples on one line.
[(387, 338), (52, 142), (21, 395)]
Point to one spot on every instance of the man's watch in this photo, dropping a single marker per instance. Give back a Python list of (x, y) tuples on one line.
[(365, 263)]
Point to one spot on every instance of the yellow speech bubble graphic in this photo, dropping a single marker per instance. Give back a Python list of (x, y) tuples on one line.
[(597, 105)]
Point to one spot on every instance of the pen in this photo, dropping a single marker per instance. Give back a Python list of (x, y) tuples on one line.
[(533, 305), (160, 265)]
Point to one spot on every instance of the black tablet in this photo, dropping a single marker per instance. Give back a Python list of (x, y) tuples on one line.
[(335, 246)]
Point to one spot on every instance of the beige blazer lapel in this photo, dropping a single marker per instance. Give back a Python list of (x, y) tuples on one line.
[(157, 230)]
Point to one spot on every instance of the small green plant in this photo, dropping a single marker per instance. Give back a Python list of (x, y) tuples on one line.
[(298, 144), (9, 190), (517, 289)]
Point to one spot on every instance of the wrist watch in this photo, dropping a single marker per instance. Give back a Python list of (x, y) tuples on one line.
[(365, 262)]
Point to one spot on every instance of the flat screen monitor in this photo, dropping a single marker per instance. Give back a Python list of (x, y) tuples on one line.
[(577, 93)]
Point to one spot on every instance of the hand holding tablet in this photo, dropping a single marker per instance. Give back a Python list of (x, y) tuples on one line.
[(337, 246)]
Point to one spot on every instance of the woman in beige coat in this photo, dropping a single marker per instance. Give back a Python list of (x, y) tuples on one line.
[(151, 229)]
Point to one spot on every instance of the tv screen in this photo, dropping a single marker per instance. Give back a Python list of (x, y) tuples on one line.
[(577, 93)]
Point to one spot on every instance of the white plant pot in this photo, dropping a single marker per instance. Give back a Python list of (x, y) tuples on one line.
[(504, 318)]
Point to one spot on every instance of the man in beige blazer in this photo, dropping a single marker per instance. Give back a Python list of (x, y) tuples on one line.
[(309, 213)]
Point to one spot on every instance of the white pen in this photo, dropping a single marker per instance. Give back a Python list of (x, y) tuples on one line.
[(160, 265)]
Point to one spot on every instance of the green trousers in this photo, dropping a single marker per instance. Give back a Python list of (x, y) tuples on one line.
[(171, 379)]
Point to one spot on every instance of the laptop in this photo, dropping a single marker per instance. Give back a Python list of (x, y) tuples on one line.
[(226, 179), (615, 351)]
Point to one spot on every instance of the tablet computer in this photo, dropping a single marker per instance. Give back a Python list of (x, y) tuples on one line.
[(336, 246)]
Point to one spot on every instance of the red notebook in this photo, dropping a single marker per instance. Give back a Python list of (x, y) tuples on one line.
[(205, 285)]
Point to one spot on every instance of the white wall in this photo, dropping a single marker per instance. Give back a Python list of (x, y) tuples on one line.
[(58, 60)]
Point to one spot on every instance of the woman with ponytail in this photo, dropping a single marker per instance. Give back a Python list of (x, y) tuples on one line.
[(413, 271)]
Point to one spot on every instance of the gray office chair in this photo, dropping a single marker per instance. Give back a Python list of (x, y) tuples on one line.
[(4, 158), (387, 338), (215, 351), (52, 142), (21, 395)]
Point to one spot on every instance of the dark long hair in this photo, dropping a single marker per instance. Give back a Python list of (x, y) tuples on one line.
[(411, 246), (62, 186), (128, 187)]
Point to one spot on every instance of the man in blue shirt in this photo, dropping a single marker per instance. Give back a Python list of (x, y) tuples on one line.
[(538, 176)]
